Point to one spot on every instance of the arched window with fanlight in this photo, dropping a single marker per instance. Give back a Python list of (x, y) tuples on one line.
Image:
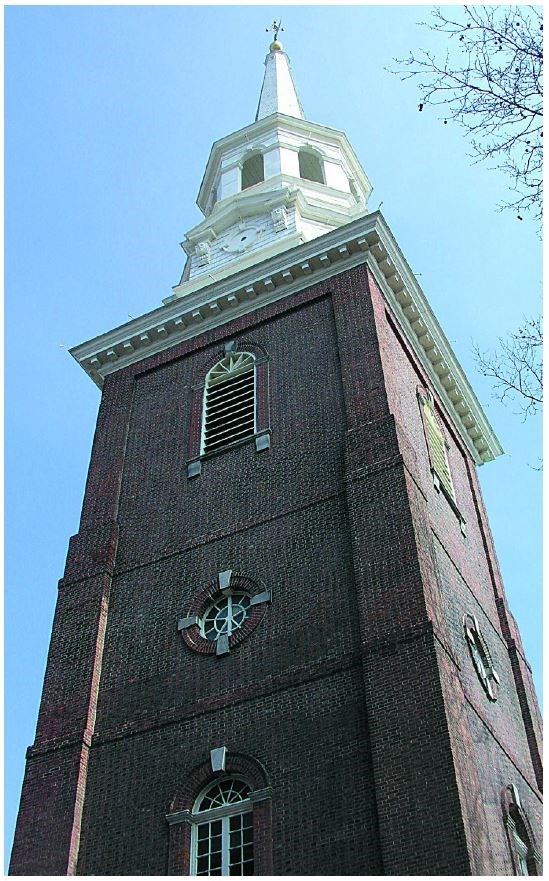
[(220, 819), (222, 834), (229, 402), (230, 406)]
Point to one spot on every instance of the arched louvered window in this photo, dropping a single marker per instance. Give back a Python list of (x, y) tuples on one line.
[(222, 835), (253, 171), (310, 166), (437, 446), (229, 402)]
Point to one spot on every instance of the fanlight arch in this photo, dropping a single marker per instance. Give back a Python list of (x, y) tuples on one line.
[(220, 793), (229, 402)]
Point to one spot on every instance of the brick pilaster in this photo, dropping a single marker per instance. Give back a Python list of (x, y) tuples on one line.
[(412, 749), (48, 828)]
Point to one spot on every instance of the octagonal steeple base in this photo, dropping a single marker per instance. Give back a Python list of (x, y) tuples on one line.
[(276, 183)]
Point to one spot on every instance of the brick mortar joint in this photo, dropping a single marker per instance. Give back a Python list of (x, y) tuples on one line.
[(204, 540), (468, 586), (512, 645), (536, 791), (426, 627), (446, 649), (361, 472), (337, 665), (385, 419), (80, 740), (415, 481), (505, 617), (67, 583), (77, 739), (411, 634)]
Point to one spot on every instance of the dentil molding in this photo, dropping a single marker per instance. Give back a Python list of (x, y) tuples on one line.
[(217, 301)]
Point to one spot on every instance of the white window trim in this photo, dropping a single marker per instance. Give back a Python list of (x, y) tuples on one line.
[(437, 444), (224, 841), (223, 813), (521, 849)]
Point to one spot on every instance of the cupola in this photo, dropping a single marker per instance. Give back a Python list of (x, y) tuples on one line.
[(278, 182)]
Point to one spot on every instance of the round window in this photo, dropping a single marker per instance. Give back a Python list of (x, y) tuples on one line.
[(225, 615), (480, 655)]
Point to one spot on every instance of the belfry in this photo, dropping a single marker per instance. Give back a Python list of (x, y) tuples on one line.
[(281, 644)]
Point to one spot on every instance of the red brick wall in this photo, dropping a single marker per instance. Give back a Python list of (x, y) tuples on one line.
[(355, 692), (505, 734)]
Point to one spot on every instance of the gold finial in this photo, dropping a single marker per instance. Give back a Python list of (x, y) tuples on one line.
[(276, 27)]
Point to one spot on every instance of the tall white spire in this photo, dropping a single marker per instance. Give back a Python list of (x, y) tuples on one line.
[(278, 92), (269, 187)]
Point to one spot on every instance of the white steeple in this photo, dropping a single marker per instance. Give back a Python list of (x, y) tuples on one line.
[(278, 93), (272, 185), (285, 207)]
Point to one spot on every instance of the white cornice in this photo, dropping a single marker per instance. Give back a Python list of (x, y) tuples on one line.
[(317, 201), (278, 190), (365, 240)]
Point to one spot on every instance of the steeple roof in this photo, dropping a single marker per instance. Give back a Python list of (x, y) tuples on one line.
[(278, 92)]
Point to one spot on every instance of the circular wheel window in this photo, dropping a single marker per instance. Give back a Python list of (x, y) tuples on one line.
[(481, 657), (224, 613)]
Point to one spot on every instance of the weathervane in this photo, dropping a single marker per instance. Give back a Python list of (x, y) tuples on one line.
[(276, 27)]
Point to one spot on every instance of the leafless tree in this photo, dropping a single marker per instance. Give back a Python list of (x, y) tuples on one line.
[(489, 81), (516, 367)]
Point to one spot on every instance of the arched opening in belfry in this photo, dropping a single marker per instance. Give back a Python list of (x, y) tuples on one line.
[(253, 171), (310, 166)]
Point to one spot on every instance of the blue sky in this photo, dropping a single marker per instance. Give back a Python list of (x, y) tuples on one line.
[(110, 116)]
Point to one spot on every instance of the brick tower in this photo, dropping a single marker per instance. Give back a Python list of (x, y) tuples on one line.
[(281, 643)]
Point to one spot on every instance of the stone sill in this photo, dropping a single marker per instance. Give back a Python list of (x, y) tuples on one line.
[(262, 441)]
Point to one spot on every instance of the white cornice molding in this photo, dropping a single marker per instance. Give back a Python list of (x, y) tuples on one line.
[(421, 327), (320, 200), (366, 240), (279, 190), (312, 203)]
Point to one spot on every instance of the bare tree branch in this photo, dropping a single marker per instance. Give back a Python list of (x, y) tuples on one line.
[(516, 367), (490, 82)]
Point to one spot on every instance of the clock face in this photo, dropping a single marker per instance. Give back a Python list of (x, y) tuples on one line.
[(243, 239)]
